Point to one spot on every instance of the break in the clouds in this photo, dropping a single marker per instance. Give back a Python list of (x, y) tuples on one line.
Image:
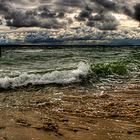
[(52, 13)]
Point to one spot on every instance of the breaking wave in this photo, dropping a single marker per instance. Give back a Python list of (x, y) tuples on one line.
[(54, 77), (84, 73)]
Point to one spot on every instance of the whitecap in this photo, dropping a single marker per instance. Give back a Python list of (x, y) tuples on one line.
[(56, 77), (29, 51)]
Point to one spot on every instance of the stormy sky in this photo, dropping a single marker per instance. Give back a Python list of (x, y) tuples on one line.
[(52, 13)]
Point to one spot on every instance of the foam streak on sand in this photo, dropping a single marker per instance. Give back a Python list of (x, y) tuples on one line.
[(57, 77)]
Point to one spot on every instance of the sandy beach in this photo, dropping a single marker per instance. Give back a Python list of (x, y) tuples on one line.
[(70, 112)]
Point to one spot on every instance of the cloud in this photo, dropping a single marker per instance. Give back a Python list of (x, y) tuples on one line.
[(49, 13), (109, 4), (39, 17), (137, 12), (103, 21), (31, 19), (86, 13), (119, 6), (76, 3)]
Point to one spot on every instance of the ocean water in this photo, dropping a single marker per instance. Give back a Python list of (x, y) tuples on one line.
[(21, 66)]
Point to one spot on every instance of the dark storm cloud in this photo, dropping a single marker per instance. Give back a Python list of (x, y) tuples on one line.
[(47, 13), (77, 3), (103, 21), (119, 6), (5, 7), (39, 17), (137, 12), (86, 13), (31, 19), (106, 3), (21, 18)]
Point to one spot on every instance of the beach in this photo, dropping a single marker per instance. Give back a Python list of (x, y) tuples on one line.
[(70, 112), (73, 93)]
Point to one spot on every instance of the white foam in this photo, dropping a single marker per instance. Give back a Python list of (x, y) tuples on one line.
[(58, 77), (29, 51)]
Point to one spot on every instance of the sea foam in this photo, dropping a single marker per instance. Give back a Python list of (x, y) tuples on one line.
[(56, 77)]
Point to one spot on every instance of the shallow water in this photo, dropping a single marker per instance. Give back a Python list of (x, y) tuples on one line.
[(23, 65)]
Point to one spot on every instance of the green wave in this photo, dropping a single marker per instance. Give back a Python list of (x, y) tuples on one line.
[(123, 67), (105, 69)]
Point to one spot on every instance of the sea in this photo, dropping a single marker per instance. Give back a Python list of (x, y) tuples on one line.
[(88, 66)]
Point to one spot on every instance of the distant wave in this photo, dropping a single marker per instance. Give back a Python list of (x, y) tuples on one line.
[(29, 51), (56, 77)]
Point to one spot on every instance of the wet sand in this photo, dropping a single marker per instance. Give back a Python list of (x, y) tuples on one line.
[(70, 112)]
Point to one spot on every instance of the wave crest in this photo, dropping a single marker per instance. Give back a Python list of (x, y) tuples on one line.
[(54, 77)]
